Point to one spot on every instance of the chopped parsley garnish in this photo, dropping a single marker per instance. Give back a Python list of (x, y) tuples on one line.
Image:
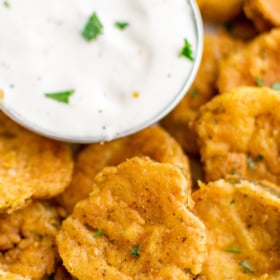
[(259, 82), (228, 27), (246, 266), (233, 250), (193, 92), (121, 24), (135, 251), (233, 172), (6, 4), (93, 28), (61, 96), (259, 158), (99, 233), (263, 53), (187, 50), (251, 163), (276, 86), (50, 277)]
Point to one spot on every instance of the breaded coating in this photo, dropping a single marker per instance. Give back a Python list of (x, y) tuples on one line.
[(273, 276), (257, 63), (180, 122), (242, 219), (153, 142), (239, 134), (220, 11), (134, 225), (27, 240), (11, 276), (31, 166), (264, 13)]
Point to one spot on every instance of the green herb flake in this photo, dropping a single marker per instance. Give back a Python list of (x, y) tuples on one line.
[(6, 4), (50, 277), (233, 172), (121, 24), (259, 82), (193, 92), (251, 163), (276, 86), (259, 158), (93, 28), (99, 233), (61, 96), (228, 27), (135, 251), (233, 250), (247, 267), (263, 53), (187, 50)]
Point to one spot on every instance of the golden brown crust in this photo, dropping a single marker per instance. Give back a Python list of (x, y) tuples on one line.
[(31, 166), (269, 276), (139, 203), (239, 134), (27, 240), (4, 275), (265, 14), (220, 11), (242, 219), (153, 142), (255, 63), (180, 122)]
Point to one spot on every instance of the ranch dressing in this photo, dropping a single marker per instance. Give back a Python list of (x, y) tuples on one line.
[(121, 81)]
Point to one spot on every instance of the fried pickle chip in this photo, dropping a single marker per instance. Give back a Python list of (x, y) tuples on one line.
[(134, 225), (239, 134), (11, 276), (31, 166), (242, 219), (256, 64), (220, 11), (27, 240), (265, 14), (180, 122), (153, 142)]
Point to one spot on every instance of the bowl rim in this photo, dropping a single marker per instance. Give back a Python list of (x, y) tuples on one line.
[(198, 26)]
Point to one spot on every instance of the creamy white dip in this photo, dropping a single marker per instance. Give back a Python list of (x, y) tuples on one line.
[(122, 80)]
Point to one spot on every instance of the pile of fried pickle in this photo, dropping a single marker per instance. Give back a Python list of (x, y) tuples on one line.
[(195, 197)]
